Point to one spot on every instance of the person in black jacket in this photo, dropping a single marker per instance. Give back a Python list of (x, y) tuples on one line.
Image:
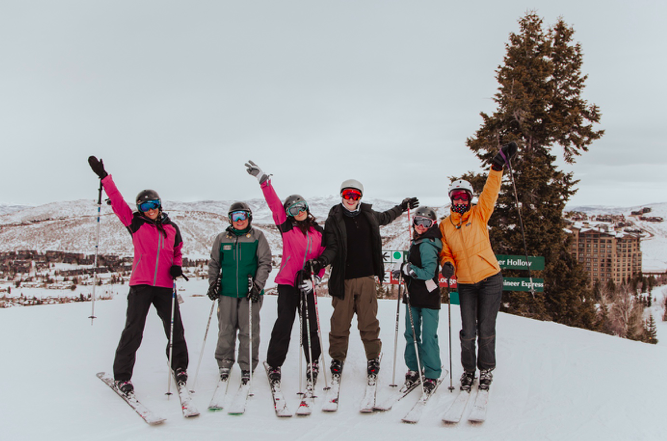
[(354, 249), (421, 273)]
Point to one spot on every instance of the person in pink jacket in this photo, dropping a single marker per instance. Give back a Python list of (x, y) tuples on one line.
[(302, 241), (157, 262)]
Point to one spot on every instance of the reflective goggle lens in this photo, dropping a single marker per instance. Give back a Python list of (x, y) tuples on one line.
[(297, 207), (423, 221), (460, 195), (149, 205), (355, 195), (238, 216)]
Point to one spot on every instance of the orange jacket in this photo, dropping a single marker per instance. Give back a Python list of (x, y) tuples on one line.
[(465, 238)]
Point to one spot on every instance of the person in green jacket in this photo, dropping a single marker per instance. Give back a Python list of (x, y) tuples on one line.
[(237, 271)]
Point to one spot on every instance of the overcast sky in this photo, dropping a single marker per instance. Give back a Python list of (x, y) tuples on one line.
[(176, 96)]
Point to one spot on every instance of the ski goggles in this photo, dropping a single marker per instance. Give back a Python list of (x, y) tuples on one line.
[(149, 205), (460, 195), (351, 193), (236, 216), (296, 208), (423, 222)]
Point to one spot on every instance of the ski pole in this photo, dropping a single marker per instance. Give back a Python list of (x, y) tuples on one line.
[(449, 313), (201, 353), (300, 343), (250, 333), (398, 314), (414, 339), (171, 340), (523, 233), (308, 340), (319, 333), (97, 248)]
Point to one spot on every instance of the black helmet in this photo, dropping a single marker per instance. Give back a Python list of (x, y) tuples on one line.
[(297, 202), (240, 206), (145, 196), (426, 212)]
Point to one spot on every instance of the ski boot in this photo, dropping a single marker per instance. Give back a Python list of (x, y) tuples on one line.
[(125, 387), (429, 385), (336, 368), (373, 367), (224, 373), (466, 380), (245, 377), (314, 367), (181, 376), (274, 374), (485, 379)]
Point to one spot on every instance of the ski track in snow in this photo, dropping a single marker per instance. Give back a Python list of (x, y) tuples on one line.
[(552, 382)]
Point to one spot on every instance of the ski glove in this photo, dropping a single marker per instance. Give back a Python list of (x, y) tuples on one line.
[(447, 270), (409, 203), (313, 266), (213, 291), (253, 291), (176, 271), (254, 170), (504, 156), (97, 166)]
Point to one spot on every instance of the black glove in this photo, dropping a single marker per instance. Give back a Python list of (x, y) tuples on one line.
[(409, 202), (254, 170), (313, 266), (447, 270), (176, 271), (253, 291), (97, 166), (396, 274), (508, 151), (213, 291)]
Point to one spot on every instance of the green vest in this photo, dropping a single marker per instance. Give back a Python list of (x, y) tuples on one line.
[(238, 262)]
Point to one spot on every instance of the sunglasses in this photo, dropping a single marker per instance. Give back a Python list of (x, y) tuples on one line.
[(355, 195), (460, 195), (423, 222), (238, 216), (149, 205), (296, 208)]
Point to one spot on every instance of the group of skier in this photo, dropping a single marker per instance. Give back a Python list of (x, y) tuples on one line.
[(350, 243)]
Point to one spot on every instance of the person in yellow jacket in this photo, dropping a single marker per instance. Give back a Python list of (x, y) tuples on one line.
[(467, 253)]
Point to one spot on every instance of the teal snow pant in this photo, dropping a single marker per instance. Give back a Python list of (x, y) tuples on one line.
[(426, 327)]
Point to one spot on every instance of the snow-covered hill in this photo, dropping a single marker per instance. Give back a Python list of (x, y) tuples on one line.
[(552, 382)]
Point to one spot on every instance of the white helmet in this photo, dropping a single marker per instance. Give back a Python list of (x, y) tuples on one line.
[(352, 183), (460, 185)]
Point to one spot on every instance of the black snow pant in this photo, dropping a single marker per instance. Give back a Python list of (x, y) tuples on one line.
[(139, 301), (288, 305)]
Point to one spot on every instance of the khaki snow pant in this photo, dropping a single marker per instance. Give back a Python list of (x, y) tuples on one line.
[(360, 298)]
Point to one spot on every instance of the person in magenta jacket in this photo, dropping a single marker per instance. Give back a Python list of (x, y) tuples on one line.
[(157, 262), (302, 241)]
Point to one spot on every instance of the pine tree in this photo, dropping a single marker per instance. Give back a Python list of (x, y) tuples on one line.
[(539, 104)]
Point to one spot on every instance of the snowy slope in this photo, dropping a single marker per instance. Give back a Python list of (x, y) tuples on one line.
[(552, 382)]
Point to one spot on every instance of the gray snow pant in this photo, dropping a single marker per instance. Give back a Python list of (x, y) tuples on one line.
[(233, 317)]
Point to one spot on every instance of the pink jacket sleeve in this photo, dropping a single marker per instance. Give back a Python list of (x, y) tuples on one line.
[(279, 216), (118, 204)]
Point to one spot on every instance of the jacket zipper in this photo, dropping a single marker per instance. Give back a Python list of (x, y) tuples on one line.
[(157, 257)]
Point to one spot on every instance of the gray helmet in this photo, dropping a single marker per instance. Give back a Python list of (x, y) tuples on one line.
[(426, 212), (147, 195), (352, 183), (293, 199), (240, 206)]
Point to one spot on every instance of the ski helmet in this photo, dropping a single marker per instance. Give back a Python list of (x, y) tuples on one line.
[(145, 196), (427, 212), (352, 183), (297, 201), (460, 185), (240, 206)]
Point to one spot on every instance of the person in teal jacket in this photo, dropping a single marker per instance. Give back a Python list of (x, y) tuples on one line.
[(421, 274), (237, 271)]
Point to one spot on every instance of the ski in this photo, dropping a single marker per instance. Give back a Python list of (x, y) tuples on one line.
[(398, 395), (331, 398), (279, 402), (307, 400), (130, 399), (413, 416), (240, 399), (187, 405), (478, 413), (455, 411), (218, 399), (368, 401)]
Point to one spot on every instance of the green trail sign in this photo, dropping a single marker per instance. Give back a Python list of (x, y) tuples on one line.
[(519, 262)]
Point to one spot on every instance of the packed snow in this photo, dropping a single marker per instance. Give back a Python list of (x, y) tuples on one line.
[(552, 382)]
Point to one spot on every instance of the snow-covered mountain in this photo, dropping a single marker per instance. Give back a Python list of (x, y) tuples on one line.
[(70, 226)]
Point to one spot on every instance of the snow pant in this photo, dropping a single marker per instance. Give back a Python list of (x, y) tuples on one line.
[(480, 303), (233, 316), (289, 302), (360, 298), (426, 329), (139, 301)]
